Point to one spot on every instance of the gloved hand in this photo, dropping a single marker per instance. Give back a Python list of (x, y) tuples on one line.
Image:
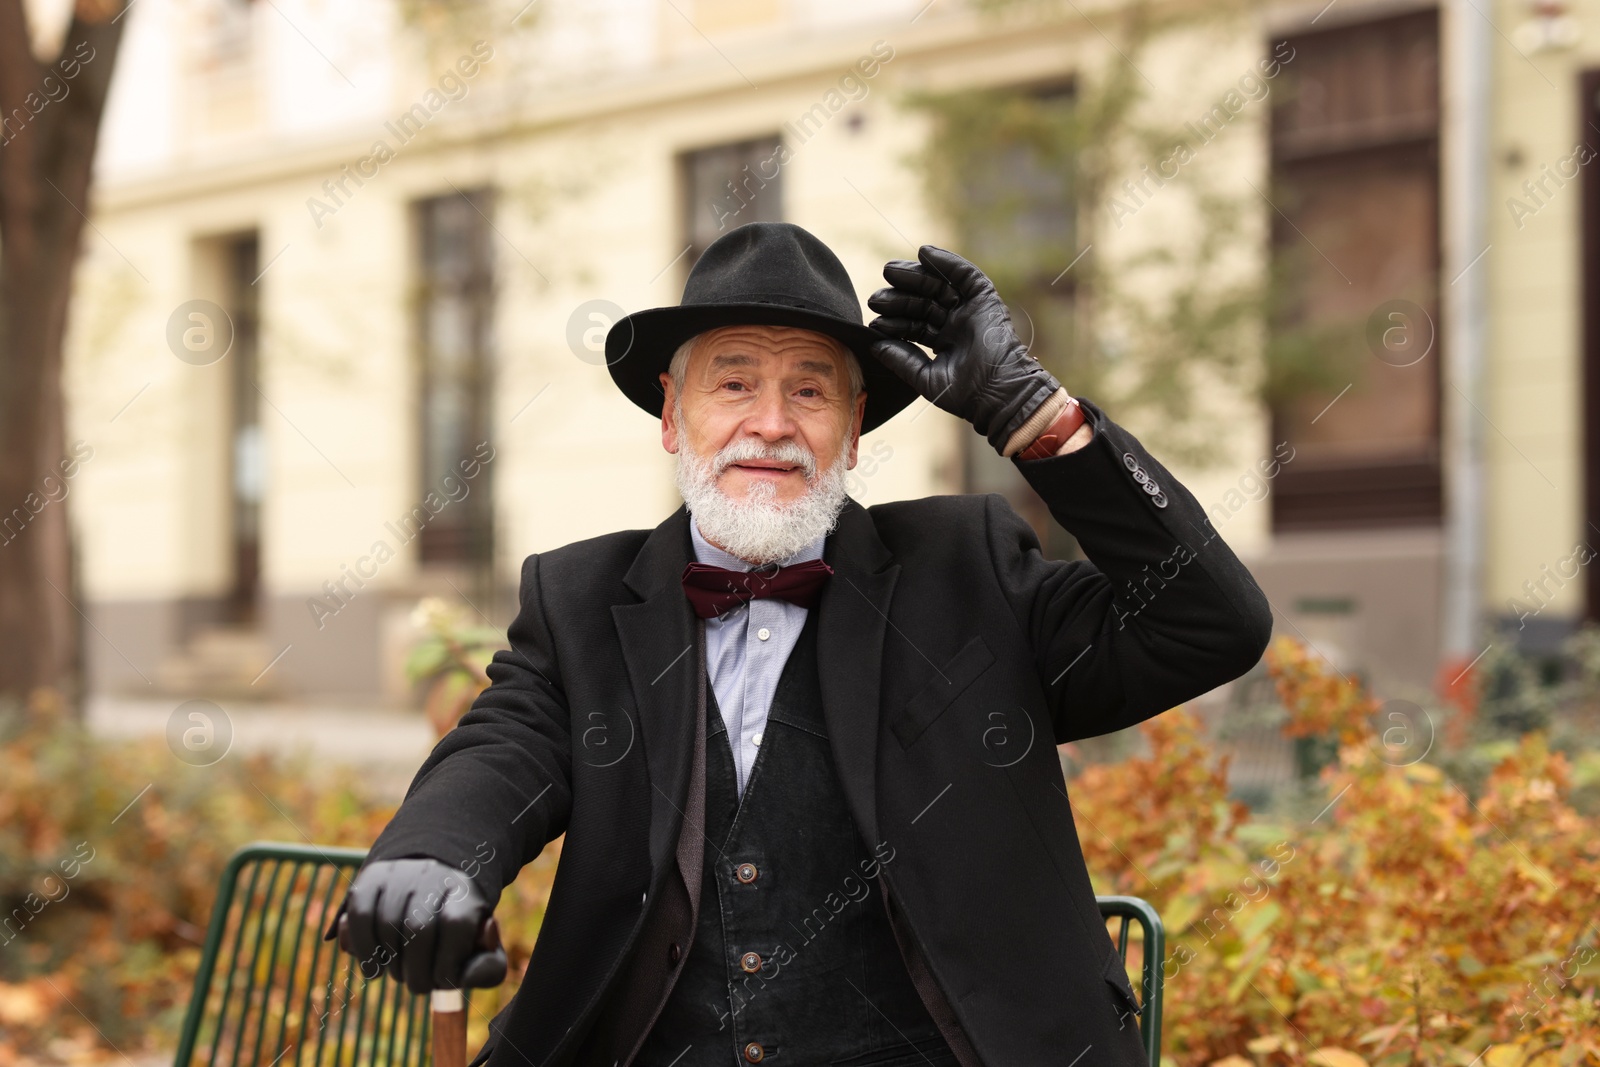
[(983, 372), (419, 920)]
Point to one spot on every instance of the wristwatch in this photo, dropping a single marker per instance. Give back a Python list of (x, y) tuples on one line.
[(1069, 416)]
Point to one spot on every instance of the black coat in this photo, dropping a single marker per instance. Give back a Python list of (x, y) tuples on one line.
[(953, 657)]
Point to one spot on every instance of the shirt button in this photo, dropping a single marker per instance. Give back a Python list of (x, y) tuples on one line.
[(750, 962), (763, 633), (755, 739), (745, 872), (753, 1052)]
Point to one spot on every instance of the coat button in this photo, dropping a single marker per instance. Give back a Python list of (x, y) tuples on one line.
[(1129, 462), (754, 1053), (1151, 487), (750, 962), (675, 953), (1140, 476), (745, 872), (1159, 500)]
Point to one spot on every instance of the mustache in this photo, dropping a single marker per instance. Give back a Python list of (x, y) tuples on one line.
[(747, 449)]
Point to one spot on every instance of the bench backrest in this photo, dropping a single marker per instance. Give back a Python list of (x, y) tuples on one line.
[(270, 992)]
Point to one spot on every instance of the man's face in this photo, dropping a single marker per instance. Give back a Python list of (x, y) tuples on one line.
[(767, 384)]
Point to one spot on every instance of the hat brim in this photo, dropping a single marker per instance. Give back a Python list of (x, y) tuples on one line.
[(639, 348)]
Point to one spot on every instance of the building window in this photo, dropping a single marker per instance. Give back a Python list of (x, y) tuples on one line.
[(1356, 357), (455, 304), (226, 32), (248, 459), (1589, 245), (1017, 217), (728, 185)]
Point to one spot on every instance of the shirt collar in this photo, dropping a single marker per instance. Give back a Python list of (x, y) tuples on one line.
[(706, 552)]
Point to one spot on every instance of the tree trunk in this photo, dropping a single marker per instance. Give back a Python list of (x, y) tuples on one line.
[(49, 126)]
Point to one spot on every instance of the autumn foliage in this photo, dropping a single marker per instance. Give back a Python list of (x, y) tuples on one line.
[(110, 854), (1405, 922)]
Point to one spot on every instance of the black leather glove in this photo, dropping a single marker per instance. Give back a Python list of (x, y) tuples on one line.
[(419, 921), (983, 372)]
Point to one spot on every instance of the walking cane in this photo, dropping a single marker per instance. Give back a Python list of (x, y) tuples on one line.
[(485, 970)]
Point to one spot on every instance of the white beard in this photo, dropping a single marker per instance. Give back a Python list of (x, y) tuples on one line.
[(760, 529)]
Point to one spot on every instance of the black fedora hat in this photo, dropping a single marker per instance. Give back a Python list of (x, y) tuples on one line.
[(761, 273)]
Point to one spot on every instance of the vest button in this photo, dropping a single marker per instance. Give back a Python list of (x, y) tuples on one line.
[(754, 1053), (750, 963), (675, 953), (745, 872)]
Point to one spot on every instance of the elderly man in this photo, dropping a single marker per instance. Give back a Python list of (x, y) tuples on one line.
[(802, 750)]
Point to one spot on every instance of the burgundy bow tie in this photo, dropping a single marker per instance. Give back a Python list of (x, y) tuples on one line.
[(717, 590)]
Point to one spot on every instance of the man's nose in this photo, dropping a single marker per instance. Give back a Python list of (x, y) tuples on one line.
[(773, 417)]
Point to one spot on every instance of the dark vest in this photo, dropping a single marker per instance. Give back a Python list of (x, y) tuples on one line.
[(793, 959)]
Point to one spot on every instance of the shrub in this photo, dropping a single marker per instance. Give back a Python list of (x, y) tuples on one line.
[(109, 859), (1407, 922)]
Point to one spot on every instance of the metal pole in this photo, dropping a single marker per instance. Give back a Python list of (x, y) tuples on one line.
[(1467, 78)]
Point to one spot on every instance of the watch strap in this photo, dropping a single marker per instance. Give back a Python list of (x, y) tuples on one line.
[(1065, 417)]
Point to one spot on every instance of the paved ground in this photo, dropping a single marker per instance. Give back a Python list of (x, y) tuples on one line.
[(387, 744)]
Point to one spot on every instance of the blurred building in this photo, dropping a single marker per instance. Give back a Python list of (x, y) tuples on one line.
[(336, 342)]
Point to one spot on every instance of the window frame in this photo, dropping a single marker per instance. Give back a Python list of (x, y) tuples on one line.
[(1330, 494), (463, 533)]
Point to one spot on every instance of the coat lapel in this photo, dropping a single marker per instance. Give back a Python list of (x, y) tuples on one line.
[(658, 648), (850, 636), (658, 639)]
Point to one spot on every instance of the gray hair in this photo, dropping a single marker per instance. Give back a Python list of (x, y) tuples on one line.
[(680, 365)]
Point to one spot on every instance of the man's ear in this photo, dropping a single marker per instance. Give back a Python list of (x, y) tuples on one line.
[(855, 427), (669, 433)]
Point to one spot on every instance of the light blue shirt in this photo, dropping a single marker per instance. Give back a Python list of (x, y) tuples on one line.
[(746, 650)]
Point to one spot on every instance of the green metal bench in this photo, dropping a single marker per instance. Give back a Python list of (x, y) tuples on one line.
[(1136, 910), (270, 992)]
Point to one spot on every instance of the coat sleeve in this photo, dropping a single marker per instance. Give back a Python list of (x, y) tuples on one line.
[(497, 788), (1161, 611)]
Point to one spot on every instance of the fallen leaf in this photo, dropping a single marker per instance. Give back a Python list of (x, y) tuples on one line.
[(1335, 1057)]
